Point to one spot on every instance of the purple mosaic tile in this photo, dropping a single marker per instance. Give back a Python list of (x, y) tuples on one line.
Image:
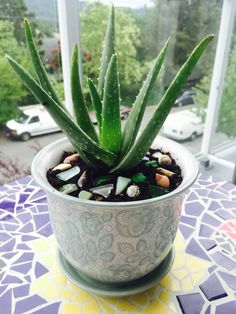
[(208, 310), (26, 238), (10, 227), (29, 303), (8, 246), (41, 201), (205, 231), (214, 206), (216, 195), (25, 257), (228, 204), (228, 186), (6, 301), (2, 289), (211, 269), (224, 214), (38, 195), (212, 288), (9, 255), (49, 309), (24, 217), (188, 220), (186, 231), (11, 279), (29, 190), (229, 279), (40, 220), (194, 209), (29, 227), (226, 247), (192, 197), (208, 244), (223, 260), (23, 197), (202, 192), (194, 248), (4, 237), (226, 308), (46, 231), (8, 205), (21, 291), (23, 246), (22, 268), (208, 219), (190, 303), (40, 270), (42, 208)]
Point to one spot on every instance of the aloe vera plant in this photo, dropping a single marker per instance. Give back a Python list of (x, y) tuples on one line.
[(111, 147)]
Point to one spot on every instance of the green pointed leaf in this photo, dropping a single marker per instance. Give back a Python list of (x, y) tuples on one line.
[(97, 104), (135, 117), (38, 65), (139, 149), (108, 50), (79, 139), (80, 109), (111, 123)]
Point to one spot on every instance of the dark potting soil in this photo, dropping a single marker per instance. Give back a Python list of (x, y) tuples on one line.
[(144, 171)]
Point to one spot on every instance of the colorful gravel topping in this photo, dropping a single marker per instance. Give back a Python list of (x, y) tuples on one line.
[(82, 179), (103, 190), (68, 188), (162, 181), (103, 179), (85, 195), (121, 185), (155, 191), (62, 167), (71, 159), (165, 160), (139, 178), (165, 172), (68, 174), (133, 191), (151, 163)]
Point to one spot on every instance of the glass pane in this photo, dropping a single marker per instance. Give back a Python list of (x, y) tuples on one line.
[(16, 103), (142, 27)]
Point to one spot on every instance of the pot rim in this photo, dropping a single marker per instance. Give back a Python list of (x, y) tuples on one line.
[(45, 185)]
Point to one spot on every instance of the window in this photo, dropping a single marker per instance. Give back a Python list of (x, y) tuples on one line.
[(34, 119)]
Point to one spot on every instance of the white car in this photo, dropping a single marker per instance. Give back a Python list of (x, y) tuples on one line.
[(31, 122), (183, 125)]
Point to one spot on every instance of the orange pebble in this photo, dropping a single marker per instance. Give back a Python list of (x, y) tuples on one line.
[(162, 181), (71, 158)]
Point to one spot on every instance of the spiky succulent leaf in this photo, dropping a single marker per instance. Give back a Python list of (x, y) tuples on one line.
[(79, 139), (80, 109), (139, 149), (111, 123), (38, 64), (97, 104), (108, 50), (135, 117)]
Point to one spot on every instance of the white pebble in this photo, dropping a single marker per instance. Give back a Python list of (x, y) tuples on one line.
[(133, 191)]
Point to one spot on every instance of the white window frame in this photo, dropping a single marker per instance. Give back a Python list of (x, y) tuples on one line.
[(69, 27)]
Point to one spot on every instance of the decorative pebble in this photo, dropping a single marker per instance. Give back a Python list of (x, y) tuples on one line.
[(62, 167), (68, 188), (103, 190), (155, 191), (82, 179), (145, 158), (165, 160), (165, 172), (157, 155), (162, 181), (71, 159), (67, 175), (139, 178), (133, 191), (121, 184), (85, 195), (102, 180), (152, 163)]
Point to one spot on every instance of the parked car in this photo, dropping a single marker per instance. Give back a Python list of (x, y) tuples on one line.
[(183, 125), (31, 122), (124, 113), (186, 98)]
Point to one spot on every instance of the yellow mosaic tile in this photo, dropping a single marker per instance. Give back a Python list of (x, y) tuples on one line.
[(124, 305), (82, 296), (71, 308), (156, 307), (181, 273), (91, 307), (139, 299), (106, 308), (164, 296)]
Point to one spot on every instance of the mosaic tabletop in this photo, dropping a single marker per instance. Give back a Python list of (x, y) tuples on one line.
[(201, 280)]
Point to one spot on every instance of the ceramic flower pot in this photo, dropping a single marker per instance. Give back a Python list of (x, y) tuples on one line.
[(114, 242)]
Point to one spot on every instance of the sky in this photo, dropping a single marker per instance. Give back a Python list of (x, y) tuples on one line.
[(130, 3)]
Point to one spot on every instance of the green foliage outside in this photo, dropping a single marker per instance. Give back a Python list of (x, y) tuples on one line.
[(227, 113), (93, 25), (11, 90)]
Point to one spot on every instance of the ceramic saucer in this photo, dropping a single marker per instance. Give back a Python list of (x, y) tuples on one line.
[(120, 289)]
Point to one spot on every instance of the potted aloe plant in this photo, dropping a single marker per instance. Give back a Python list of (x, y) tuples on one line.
[(111, 241)]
